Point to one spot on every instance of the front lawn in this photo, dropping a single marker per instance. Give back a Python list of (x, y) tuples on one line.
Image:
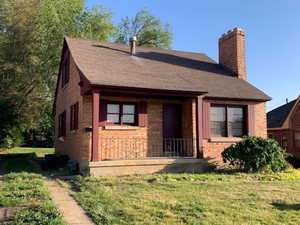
[(38, 151), (22, 189), (192, 199)]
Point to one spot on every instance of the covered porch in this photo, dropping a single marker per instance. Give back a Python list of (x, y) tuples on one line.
[(166, 134)]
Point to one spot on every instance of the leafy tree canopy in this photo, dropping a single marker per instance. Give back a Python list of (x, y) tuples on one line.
[(31, 37), (148, 29)]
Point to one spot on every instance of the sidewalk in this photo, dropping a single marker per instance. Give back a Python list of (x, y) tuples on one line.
[(73, 214)]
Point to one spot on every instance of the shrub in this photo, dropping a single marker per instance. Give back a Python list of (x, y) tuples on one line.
[(14, 138), (8, 118), (292, 160), (255, 154)]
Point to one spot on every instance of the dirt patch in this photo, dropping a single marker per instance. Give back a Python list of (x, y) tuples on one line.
[(7, 213)]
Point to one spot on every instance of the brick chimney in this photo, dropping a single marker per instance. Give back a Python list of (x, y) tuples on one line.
[(232, 52)]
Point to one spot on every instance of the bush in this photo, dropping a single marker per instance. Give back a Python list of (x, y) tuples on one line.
[(292, 160), (255, 154), (13, 139), (8, 120)]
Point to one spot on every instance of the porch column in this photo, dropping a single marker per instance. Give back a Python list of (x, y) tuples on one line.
[(95, 127), (199, 131)]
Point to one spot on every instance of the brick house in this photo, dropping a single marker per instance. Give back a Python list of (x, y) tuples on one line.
[(123, 110), (284, 126)]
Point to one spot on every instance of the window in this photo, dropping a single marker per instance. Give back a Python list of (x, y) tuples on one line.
[(235, 121), (297, 139), (227, 121), (65, 72), (121, 113), (74, 116), (113, 113), (62, 124), (284, 142), (218, 121)]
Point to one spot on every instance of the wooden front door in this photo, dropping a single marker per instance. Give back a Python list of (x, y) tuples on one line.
[(172, 127)]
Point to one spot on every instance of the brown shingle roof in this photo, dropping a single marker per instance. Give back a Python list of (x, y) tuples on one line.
[(110, 64), (276, 117)]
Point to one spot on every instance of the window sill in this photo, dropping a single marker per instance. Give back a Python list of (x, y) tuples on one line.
[(225, 139), (121, 127)]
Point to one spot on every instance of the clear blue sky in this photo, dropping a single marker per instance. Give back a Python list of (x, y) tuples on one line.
[(272, 28)]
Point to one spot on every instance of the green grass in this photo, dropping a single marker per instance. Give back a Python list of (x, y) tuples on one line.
[(39, 151), (20, 165), (23, 187), (192, 199)]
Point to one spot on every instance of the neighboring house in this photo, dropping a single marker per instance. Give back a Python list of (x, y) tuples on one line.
[(284, 126), (123, 110)]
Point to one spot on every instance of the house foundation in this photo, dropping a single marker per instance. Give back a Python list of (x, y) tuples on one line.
[(148, 166)]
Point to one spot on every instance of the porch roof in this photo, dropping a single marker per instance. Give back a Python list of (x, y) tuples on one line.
[(110, 64)]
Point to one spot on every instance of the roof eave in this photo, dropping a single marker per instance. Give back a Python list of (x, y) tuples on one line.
[(146, 91), (239, 99)]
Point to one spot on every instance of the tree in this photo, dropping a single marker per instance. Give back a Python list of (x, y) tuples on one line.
[(148, 29), (8, 120), (31, 35)]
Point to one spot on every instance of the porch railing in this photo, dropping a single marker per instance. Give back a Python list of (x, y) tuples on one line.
[(139, 148)]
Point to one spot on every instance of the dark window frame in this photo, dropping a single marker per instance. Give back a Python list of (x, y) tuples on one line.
[(295, 140), (62, 124), (121, 104), (65, 71), (284, 141), (245, 119), (74, 116)]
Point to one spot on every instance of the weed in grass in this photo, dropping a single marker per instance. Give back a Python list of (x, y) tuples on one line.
[(27, 189), (21, 188), (43, 214)]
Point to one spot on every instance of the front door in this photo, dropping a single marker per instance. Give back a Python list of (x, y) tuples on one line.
[(172, 129)]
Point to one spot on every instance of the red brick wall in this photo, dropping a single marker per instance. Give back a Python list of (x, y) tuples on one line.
[(213, 149), (278, 136), (295, 118), (295, 127), (288, 132), (145, 141), (260, 120), (76, 144)]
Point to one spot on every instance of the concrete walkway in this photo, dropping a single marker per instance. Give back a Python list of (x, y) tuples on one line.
[(73, 214)]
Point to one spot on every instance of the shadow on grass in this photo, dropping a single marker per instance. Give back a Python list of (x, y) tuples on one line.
[(18, 163), (284, 206), (30, 163), (204, 165)]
